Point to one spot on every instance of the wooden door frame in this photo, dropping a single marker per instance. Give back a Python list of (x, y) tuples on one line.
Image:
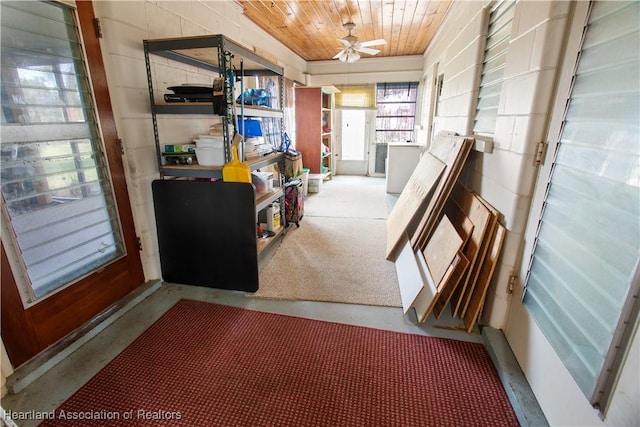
[(28, 331)]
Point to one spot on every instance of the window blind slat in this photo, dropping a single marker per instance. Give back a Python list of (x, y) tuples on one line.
[(590, 266), (39, 21), (593, 295), (497, 46), (621, 138), (543, 313), (613, 21), (613, 52), (573, 192)]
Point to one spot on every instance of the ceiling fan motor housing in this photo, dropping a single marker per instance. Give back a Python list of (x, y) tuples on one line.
[(349, 26), (351, 39)]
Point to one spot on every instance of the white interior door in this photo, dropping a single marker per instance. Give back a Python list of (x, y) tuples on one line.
[(352, 142)]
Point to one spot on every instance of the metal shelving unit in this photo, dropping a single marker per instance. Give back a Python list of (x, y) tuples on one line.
[(218, 54), (234, 63)]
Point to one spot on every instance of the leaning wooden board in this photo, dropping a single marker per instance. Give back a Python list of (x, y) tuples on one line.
[(480, 216), (410, 204), (484, 251), (453, 152), (442, 249), (444, 296), (484, 279), (425, 302), (485, 247), (464, 227), (440, 259)]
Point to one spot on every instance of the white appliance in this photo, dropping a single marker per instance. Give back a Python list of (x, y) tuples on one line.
[(402, 158)]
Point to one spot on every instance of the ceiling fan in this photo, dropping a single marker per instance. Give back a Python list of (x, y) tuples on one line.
[(352, 48)]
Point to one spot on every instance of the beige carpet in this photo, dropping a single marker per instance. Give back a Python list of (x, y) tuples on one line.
[(338, 253), (349, 197)]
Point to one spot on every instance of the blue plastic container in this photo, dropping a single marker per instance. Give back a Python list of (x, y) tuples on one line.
[(253, 128)]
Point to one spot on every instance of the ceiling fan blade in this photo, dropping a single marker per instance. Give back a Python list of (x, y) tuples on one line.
[(377, 42), (368, 50), (338, 54), (346, 43)]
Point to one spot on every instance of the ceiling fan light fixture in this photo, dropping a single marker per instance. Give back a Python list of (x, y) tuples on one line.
[(349, 56)]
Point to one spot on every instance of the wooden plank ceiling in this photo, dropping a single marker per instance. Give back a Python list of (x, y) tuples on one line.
[(312, 28)]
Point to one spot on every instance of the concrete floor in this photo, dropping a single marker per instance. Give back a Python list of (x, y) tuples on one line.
[(52, 387)]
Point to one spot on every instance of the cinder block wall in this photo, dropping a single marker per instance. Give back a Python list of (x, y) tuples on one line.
[(505, 177)]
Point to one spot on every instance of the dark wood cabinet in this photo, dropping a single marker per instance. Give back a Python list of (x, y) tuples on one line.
[(314, 128)]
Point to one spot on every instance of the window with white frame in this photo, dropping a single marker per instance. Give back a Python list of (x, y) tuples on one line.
[(495, 58), (56, 194), (583, 283)]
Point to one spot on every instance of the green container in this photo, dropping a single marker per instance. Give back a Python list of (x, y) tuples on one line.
[(305, 180)]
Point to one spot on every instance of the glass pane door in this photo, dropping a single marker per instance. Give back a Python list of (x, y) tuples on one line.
[(55, 186), (352, 158)]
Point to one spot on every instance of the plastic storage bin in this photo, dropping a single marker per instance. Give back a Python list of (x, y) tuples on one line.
[(253, 128), (315, 183), (210, 156), (210, 151), (263, 181)]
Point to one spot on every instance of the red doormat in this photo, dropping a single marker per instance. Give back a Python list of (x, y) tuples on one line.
[(204, 364)]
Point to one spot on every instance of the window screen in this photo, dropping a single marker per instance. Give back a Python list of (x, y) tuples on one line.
[(396, 113), (495, 58), (580, 284)]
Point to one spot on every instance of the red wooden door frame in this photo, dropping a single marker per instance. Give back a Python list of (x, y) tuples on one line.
[(26, 332)]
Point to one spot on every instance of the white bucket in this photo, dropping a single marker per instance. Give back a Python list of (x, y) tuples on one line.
[(315, 183), (209, 141), (208, 156)]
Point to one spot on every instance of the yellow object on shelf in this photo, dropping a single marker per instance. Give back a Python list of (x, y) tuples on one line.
[(235, 170)]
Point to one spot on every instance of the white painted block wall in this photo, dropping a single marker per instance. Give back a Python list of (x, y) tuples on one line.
[(506, 178)]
